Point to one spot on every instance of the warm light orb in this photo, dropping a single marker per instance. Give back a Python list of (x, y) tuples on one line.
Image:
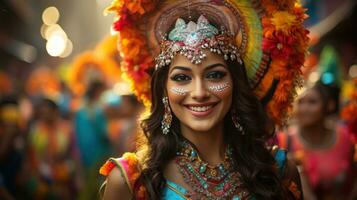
[(56, 44), (68, 49), (353, 71), (54, 28), (43, 31), (122, 88), (314, 77), (50, 15)]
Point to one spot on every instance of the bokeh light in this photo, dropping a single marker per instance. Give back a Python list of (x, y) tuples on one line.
[(327, 78), (353, 71), (56, 44), (68, 49), (314, 77), (122, 88), (54, 28), (50, 15)]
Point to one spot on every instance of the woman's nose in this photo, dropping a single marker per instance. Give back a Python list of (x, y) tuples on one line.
[(199, 91)]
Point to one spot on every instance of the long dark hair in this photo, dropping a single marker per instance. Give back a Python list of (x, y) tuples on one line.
[(254, 160)]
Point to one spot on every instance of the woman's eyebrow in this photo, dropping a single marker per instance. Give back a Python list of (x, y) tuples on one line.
[(215, 65), (180, 68), (206, 68)]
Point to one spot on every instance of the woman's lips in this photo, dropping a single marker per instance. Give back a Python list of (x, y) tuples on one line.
[(201, 110)]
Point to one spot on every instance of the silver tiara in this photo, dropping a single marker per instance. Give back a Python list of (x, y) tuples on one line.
[(191, 39)]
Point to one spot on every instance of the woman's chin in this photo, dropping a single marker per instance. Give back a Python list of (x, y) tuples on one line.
[(200, 126)]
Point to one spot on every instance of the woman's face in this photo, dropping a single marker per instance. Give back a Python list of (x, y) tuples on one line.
[(309, 108), (199, 95)]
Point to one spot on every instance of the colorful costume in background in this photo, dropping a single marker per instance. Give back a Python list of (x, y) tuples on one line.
[(94, 146), (348, 115), (325, 168), (52, 160), (12, 148), (91, 133), (122, 134), (267, 36)]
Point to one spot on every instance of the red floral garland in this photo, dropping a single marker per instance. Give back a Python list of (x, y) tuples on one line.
[(136, 58), (286, 39)]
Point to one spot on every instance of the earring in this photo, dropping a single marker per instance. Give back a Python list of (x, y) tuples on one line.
[(166, 121), (236, 123)]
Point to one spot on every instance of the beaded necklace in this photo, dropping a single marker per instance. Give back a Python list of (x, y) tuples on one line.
[(221, 181)]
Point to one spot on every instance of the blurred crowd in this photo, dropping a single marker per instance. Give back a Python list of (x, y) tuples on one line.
[(61, 119), (50, 151)]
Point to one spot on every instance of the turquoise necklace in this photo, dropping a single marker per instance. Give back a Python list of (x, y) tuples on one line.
[(221, 181)]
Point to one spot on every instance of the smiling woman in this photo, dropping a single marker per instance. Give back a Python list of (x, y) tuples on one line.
[(205, 136), (207, 99)]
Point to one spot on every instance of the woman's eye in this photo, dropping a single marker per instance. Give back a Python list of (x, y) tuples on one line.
[(313, 101), (180, 77), (216, 75)]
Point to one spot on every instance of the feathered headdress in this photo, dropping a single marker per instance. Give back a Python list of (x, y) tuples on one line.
[(269, 36)]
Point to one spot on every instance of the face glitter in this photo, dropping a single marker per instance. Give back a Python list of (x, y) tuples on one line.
[(178, 91), (219, 88)]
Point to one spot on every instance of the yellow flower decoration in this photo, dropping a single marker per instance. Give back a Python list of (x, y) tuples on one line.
[(115, 6), (283, 20)]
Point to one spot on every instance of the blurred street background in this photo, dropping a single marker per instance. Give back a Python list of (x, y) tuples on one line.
[(65, 109)]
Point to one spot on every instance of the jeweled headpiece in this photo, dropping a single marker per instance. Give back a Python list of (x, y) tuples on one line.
[(190, 40), (268, 35)]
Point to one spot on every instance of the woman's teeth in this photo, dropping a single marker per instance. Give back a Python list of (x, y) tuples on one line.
[(199, 108)]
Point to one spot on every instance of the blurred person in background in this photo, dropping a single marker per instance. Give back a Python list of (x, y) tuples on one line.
[(321, 145), (91, 133), (52, 160), (123, 124), (12, 145), (64, 102)]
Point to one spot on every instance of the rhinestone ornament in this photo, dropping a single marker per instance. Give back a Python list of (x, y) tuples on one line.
[(190, 40)]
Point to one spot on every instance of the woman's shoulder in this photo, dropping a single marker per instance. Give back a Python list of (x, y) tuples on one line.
[(122, 174), (128, 165), (116, 186)]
